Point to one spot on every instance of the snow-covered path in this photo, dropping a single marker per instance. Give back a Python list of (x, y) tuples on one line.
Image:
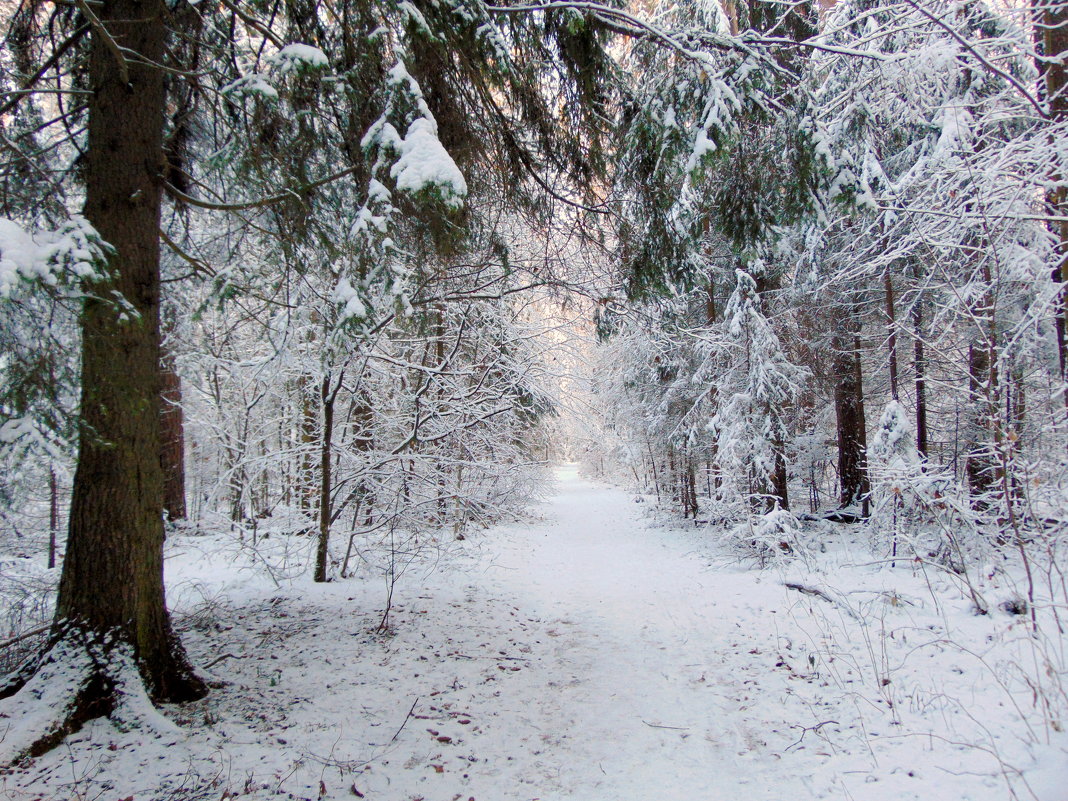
[(645, 704), (586, 656)]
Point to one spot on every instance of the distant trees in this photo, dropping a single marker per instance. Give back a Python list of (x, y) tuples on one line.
[(910, 243)]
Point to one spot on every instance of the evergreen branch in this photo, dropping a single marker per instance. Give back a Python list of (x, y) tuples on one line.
[(288, 194), (66, 45)]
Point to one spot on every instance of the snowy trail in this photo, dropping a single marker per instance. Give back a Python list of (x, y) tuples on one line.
[(643, 706), (584, 657)]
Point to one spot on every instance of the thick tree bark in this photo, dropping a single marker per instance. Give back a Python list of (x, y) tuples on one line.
[(1051, 33), (111, 608), (113, 572), (849, 419)]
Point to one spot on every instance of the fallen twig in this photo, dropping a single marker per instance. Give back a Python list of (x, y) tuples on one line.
[(406, 719), (26, 635), (219, 659), (806, 729), (497, 658), (818, 593), (659, 726)]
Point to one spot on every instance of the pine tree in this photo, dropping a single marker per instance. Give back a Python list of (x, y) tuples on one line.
[(110, 636)]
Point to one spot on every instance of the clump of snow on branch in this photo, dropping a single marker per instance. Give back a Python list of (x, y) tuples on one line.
[(253, 85), (72, 252), (294, 58), (349, 299), (424, 163)]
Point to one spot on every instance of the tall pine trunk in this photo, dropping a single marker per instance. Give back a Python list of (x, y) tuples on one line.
[(1051, 33), (113, 572), (849, 419), (111, 608)]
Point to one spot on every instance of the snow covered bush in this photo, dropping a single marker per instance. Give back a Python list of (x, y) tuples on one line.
[(768, 537)]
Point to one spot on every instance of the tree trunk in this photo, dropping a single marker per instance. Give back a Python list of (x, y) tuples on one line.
[(711, 316), (919, 366), (322, 552), (172, 439), (891, 333), (979, 465), (780, 478), (849, 419), (984, 432), (1051, 31), (111, 616), (306, 491), (53, 515)]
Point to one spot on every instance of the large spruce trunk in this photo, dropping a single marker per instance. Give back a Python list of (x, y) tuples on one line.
[(111, 617), (849, 420), (1052, 32), (113, 571)]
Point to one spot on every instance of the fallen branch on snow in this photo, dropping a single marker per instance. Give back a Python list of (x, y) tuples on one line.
[(659, 726), (818, 593), (26, 635), (806, 729), (219, 659)]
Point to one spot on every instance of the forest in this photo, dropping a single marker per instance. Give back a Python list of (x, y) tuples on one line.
[(527, 399)]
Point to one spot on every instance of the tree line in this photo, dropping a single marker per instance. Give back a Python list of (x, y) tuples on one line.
[(899, 341)]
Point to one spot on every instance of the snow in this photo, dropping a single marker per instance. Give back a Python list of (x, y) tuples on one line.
[(18, 255), (69, 252), (253, 84), (424, 163), (893, 437), (348, 298), (955, 134), (35, 712), (296, 57), (587, 654)]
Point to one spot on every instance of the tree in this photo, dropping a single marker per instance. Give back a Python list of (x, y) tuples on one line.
[(113, 637)]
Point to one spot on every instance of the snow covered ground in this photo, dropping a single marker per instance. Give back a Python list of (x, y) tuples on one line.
[(586, 655)]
